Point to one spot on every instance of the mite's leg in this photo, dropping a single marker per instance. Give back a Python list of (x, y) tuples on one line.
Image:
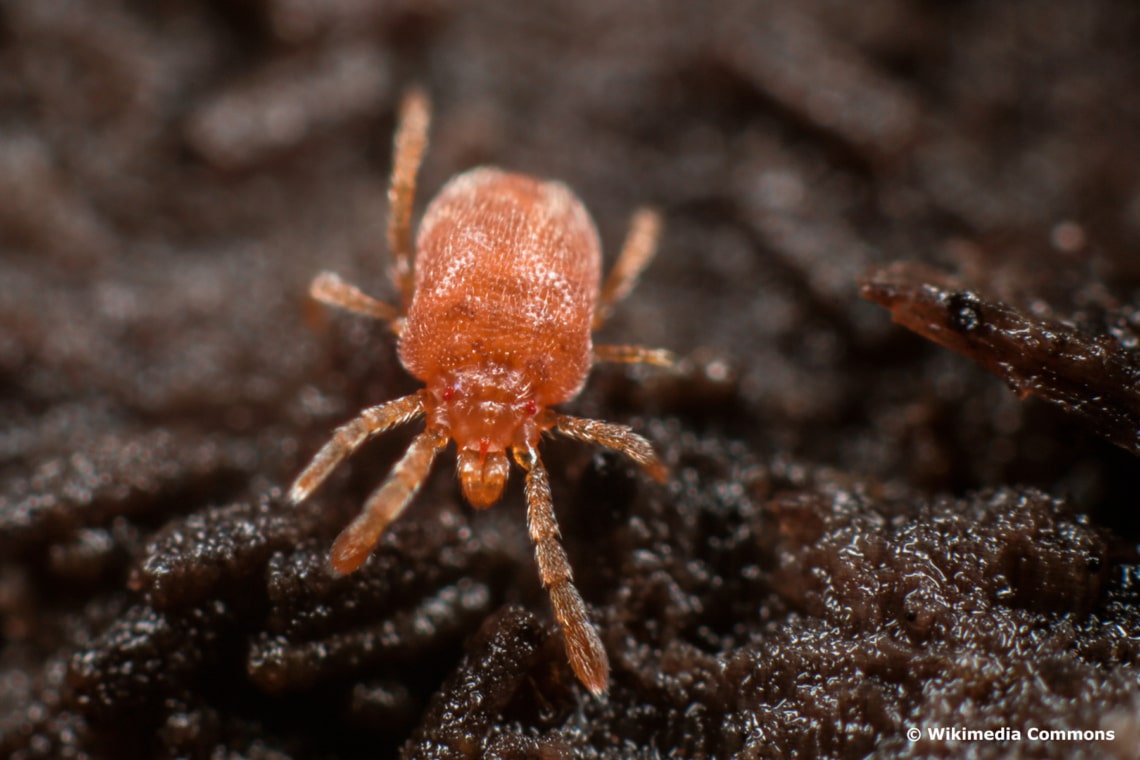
[(408, 152), (348, 438), (640, 246), (583, 646), (658, 357), (616, 437), (329, 289), (356, 542)]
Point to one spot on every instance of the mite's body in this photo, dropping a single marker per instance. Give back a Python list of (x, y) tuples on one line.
[(496, 321), (506, 277)]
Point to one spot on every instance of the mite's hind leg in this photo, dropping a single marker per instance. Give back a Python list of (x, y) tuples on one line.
[(617, 437), (639, 249), (348, 438), (329, 289), (658, 357), (357, 541), (407, 154), (583, 646)]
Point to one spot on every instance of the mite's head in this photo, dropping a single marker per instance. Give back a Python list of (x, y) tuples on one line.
[(485, 417), (483, 475)]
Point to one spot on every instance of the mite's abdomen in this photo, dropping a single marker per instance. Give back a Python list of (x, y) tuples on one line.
[(507, 273)]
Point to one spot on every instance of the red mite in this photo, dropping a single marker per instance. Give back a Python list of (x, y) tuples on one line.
[(496, 320)]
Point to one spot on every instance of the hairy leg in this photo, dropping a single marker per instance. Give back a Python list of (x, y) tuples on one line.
[(348, 438), (639, 248), (617, 437), (329, 289), (357, 541), (408, 152), (583, 646), (658, 357)]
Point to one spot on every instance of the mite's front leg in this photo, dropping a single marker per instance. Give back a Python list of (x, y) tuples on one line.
[(583, 646), (357, 541), (350, 436)]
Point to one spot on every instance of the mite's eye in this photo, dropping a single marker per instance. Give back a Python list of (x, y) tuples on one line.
[(449, 393), (531, 408)]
